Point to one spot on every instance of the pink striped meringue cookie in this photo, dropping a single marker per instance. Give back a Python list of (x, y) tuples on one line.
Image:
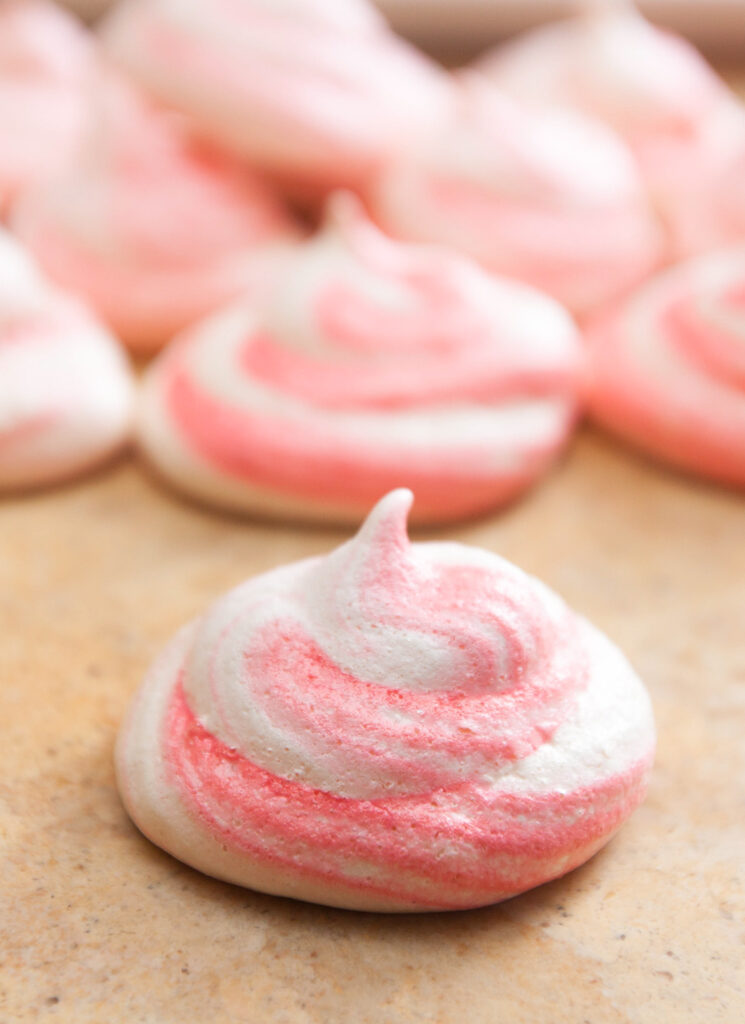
[(390, 727), (369, 365), (318, 93), (46, 61), (152, 228), (66, 392), (684, 126), (668, 366), (546, 196)]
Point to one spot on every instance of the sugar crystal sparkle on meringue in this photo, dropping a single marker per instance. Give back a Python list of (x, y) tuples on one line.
[(392, 727)]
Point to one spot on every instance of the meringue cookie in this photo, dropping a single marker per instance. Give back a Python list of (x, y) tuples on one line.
[(370, 364), (668, 366), (548, 197), (391, 727), (684, 126), (46, 61), (66, 393), (317, 93), (152, 228)]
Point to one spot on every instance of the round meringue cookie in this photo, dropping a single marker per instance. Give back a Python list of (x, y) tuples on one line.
[(369, 365), (315, 92), (66, 391), (391, 727), (667, 367), (546, 196), (152, 228), (46, 62), (684, 126)]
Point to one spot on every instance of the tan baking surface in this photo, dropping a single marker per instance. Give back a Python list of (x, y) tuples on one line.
[(98, 925)]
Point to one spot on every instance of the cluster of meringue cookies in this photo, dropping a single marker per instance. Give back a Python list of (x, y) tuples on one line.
[(422, 336), (557, 230)]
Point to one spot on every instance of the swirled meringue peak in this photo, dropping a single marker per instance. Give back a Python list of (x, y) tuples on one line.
[(684, 126), (668, 366), (370, 364), (317, 93), (391, 727), (546, 196), (46, 63), (154, 229), (66, 393)]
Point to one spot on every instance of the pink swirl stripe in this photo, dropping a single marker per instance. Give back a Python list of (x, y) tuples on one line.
[(315, 94), (154, 228), (547, 196), (668, 367), (546, 245), (499, 833), (718, 352), (46, 60), (307, 460)]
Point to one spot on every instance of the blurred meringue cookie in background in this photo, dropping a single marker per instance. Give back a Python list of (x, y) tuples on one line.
[(370, 364), (683, 124), (46, 66), (317, 93), (391, 727), (153, 228), (66, 391), (546, 196), (667, 367)]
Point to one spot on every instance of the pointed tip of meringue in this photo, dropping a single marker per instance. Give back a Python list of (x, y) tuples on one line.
[(346, 217), (387, 522), (344, 213), (602, 9), (342, 206)]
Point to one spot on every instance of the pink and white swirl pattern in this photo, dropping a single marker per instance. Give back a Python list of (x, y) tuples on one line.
[(546, 196), (371, 364), (684, 126), (391, 727), (66, 393), (46, 61), (152, 228), (667, 367), (318, 93)]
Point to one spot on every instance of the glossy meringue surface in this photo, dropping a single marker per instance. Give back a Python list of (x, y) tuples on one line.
[(684, 126), (317, 93), (370, 364), (46, 65), (393, 726), (66, 392), (153, 228), (667, 367), (547, 196)]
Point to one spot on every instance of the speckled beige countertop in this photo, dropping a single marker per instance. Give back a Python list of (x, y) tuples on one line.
[(99, 926)]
